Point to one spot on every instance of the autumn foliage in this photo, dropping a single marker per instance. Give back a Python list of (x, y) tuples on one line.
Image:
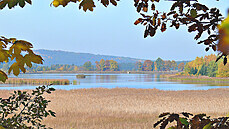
[(187, 120), (207, 66), (19, 52), (159, 65)]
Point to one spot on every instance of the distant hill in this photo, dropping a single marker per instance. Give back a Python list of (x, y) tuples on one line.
[(64, 57)]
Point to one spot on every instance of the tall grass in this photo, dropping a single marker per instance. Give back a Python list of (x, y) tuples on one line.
[(37, 81), (124, 108)]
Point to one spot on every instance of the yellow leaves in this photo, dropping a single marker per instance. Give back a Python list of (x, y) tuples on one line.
[(32, 58), (13, 3), (3, 78), (223, 44), (22, 60), (56, 3), (15, 69), (85, 4), (2, 45), (20, 45), (15, 54), (4, 56)]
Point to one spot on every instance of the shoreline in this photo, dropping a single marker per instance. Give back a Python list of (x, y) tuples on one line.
[(106, 72), (195, 79)]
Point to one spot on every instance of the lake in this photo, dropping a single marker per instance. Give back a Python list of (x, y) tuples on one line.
[(112, 81)]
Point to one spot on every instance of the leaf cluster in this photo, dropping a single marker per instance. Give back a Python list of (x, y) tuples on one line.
[(23, 110), (85, 4), (19, 52), (13, 3), (186, 120), (196, 16)]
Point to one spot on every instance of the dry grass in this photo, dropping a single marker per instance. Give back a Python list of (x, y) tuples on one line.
[(128, 108), (36, 81)]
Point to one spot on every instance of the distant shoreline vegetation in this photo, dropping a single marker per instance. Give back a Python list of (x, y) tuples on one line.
[(196, 79), (206, 66), (107, 72), (202, 70), (109, 66)]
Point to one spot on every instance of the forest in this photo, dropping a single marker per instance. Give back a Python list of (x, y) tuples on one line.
[(108, 65), (207, 66)]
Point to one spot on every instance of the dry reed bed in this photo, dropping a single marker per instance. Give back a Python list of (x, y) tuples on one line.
[(128, 108), (37, 81)]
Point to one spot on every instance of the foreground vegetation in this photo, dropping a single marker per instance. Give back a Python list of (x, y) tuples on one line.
[(25, 110), (127, 108), (37, 81)]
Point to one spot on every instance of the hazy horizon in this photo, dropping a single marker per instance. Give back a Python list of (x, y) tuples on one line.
[(114, 55)]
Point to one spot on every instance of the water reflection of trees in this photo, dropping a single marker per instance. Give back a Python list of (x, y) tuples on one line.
[(106, 78), (121, 78), (157, 77)]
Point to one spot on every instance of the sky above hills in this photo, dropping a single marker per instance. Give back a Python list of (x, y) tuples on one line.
[(107, 31)]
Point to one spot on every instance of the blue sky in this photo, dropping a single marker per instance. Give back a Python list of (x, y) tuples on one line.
[(106, 31)]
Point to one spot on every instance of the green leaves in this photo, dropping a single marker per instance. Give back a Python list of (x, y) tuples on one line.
[(13, 3), (23, 110), (193, 13), (208, 126), (184, 121)]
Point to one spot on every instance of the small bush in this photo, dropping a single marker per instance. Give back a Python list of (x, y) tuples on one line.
[(23, 110)]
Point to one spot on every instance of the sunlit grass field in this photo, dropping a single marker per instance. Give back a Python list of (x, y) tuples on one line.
[(125, 108)]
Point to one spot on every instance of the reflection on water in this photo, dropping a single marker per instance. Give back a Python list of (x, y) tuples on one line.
[(112, 81)]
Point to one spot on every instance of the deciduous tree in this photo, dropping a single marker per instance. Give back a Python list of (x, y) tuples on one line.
[(181, 66), (87, 66), (102, 65), (148, 65), (113, 65)]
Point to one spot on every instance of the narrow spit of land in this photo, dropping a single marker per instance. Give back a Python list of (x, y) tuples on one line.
[(224, 81), (36, 81), (125, 108)]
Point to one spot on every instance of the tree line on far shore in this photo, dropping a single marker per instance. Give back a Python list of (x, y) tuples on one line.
[(159, 65), (109, 65), (207, 66)]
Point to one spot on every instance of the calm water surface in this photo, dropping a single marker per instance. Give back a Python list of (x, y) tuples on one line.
[(146, 81)]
